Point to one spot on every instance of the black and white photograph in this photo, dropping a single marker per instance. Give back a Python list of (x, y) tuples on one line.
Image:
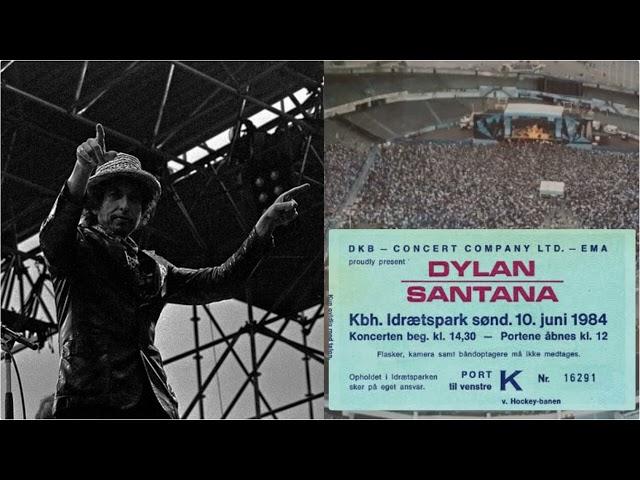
[(162, 239)]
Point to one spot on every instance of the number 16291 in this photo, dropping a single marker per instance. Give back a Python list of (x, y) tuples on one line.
[(579, 377)]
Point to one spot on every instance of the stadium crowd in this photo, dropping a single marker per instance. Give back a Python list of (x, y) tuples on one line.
[(456, 185), (343, 163)]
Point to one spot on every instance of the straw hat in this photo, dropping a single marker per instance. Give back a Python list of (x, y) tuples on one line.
[(126, 166)]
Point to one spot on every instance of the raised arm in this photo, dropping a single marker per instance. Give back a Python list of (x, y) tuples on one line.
[(282, 211), (206, 285), (58, 231)]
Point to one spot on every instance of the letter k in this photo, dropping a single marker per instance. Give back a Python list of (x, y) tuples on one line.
[(510, 379)]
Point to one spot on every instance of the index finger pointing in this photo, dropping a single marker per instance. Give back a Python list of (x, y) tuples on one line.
[(295, 190), (100, 136)]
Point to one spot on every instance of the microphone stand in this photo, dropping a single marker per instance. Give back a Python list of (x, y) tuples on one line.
[(9, 337)]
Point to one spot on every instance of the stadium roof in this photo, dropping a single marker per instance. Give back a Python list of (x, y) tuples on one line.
[(533, 110)]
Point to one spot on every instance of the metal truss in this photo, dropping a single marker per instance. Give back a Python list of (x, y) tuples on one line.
[(28, 303), (22, 296)]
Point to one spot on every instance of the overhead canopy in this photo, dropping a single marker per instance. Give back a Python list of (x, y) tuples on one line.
[(533, 110)]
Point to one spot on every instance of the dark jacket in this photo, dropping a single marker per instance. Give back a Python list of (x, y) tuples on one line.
[(109, 296)]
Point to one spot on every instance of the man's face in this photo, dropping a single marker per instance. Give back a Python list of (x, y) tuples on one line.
[(121, 209)]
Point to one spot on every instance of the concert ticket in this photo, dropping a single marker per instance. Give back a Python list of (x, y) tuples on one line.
[(481, 320)]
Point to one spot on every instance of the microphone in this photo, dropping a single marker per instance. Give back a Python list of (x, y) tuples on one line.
[(18, 338)]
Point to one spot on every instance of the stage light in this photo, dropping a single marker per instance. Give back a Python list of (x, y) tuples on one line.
[(273, 166)]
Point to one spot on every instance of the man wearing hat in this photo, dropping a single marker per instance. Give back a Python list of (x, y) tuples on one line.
[(109, 293)]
